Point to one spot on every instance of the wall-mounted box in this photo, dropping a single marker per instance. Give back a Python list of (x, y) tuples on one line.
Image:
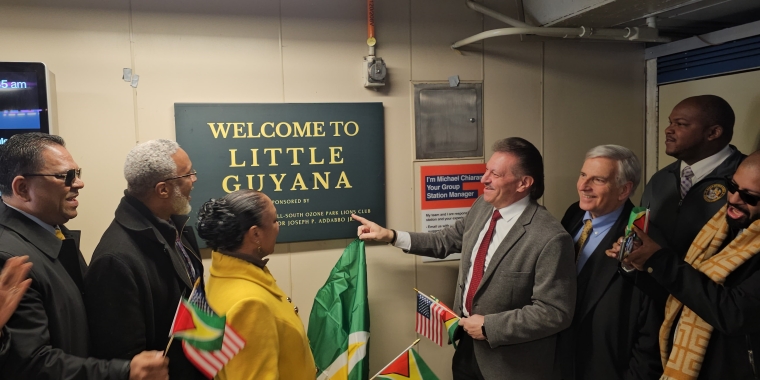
[(448, 121)]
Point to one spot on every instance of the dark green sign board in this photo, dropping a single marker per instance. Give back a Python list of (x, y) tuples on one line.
[(318, 162)]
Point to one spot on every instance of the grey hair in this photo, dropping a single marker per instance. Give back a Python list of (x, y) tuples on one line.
[(149, 163), (629, 166)]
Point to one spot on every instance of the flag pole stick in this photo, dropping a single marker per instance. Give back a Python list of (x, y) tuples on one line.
[(171, 339), (424, 295), (394, 359), (443, 305)]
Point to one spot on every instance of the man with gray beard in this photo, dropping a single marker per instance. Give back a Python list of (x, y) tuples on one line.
[(146, 260)]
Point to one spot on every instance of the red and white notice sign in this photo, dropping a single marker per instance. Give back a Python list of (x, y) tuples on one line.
[(448, 192)]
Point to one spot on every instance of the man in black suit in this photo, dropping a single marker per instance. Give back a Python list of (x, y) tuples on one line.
[(40, 183), (615, 327), (146, 260)]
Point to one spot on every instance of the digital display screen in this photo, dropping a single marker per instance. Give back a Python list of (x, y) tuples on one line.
[(19, 101), (23, 99)]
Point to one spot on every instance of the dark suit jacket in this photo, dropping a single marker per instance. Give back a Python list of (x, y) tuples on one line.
[(49, 327), (527, 293), (5, 344), (134, 283), (614, 334)]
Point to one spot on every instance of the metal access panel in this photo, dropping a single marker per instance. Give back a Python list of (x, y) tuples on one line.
[(448, 120)]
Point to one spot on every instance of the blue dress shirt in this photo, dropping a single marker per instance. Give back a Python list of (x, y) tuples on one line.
[(599, 228)]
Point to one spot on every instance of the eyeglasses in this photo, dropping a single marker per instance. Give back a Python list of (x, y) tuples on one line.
[(67, 177), (748, 198), (192, 173)]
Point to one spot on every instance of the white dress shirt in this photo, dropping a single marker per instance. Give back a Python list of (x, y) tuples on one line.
[(509, 216), (705, 166)]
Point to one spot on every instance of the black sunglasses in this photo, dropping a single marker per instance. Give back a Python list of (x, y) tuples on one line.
[(192, 173), (748, 198), (67, 177)]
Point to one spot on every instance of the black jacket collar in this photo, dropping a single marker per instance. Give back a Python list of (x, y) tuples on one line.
[(41, 238), (133, 215)]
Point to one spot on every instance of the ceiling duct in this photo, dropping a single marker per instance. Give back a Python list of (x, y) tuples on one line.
[(646, 33)]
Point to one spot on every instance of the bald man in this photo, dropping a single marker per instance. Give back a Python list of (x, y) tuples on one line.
[(711, 328), (684, 195)]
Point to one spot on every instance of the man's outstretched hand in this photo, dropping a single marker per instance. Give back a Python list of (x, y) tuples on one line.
[(372, 231)]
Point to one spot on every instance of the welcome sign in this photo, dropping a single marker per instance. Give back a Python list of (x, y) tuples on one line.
[(318, 162)]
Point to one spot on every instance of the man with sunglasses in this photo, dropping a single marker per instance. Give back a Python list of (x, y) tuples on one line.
[(40, 183), (711, 328), (146, 260)]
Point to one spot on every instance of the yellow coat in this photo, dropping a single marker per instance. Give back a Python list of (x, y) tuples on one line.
[(276, 344)]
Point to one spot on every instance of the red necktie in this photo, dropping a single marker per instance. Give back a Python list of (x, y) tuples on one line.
[(478, 268)]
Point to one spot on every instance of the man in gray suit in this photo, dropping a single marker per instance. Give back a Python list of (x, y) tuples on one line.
[(516, 287)]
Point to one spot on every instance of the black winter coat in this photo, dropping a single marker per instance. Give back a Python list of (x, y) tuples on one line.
[(49, 328), (674, 222), (733, 309), (134, 284)]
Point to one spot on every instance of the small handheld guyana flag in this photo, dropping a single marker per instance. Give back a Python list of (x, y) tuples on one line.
[(407, 366), (207, 340)]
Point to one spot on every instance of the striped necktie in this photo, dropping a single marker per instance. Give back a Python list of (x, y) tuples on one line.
[(686, 176)]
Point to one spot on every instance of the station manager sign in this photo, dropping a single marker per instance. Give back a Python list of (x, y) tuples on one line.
[(318, 162)]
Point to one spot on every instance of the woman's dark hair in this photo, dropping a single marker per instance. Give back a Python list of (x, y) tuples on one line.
[(529, 162), (223, 222)]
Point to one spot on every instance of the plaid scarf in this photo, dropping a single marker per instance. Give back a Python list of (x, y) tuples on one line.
[(692, 333)]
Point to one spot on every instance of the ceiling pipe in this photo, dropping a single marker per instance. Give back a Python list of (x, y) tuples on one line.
[(552, 32), (636, 34), (493, 14)]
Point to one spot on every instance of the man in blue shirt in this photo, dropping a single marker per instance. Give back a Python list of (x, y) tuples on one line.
[(615, 327)]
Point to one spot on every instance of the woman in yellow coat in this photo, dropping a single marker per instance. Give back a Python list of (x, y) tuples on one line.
[(242, 228)]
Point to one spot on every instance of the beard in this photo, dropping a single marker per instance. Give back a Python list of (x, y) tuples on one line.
[(180, 203), (738, 224)]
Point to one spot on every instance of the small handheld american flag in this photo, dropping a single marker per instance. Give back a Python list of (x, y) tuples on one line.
[(430, 317)]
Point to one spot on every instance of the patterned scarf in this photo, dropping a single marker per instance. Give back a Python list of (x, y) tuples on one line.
[(692, 332)]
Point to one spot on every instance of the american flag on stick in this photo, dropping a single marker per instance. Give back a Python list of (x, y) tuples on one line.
[(430, 317)]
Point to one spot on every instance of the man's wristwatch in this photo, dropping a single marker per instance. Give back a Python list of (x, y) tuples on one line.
[(483, 330)]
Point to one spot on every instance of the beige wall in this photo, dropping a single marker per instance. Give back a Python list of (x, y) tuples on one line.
[(563, 96), (740, 91)]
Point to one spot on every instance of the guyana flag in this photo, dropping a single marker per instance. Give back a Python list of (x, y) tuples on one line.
[(450, 320), (640, 218), (207, 340), (194, 326), (339, 321), (450, 323), (409, 365)]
